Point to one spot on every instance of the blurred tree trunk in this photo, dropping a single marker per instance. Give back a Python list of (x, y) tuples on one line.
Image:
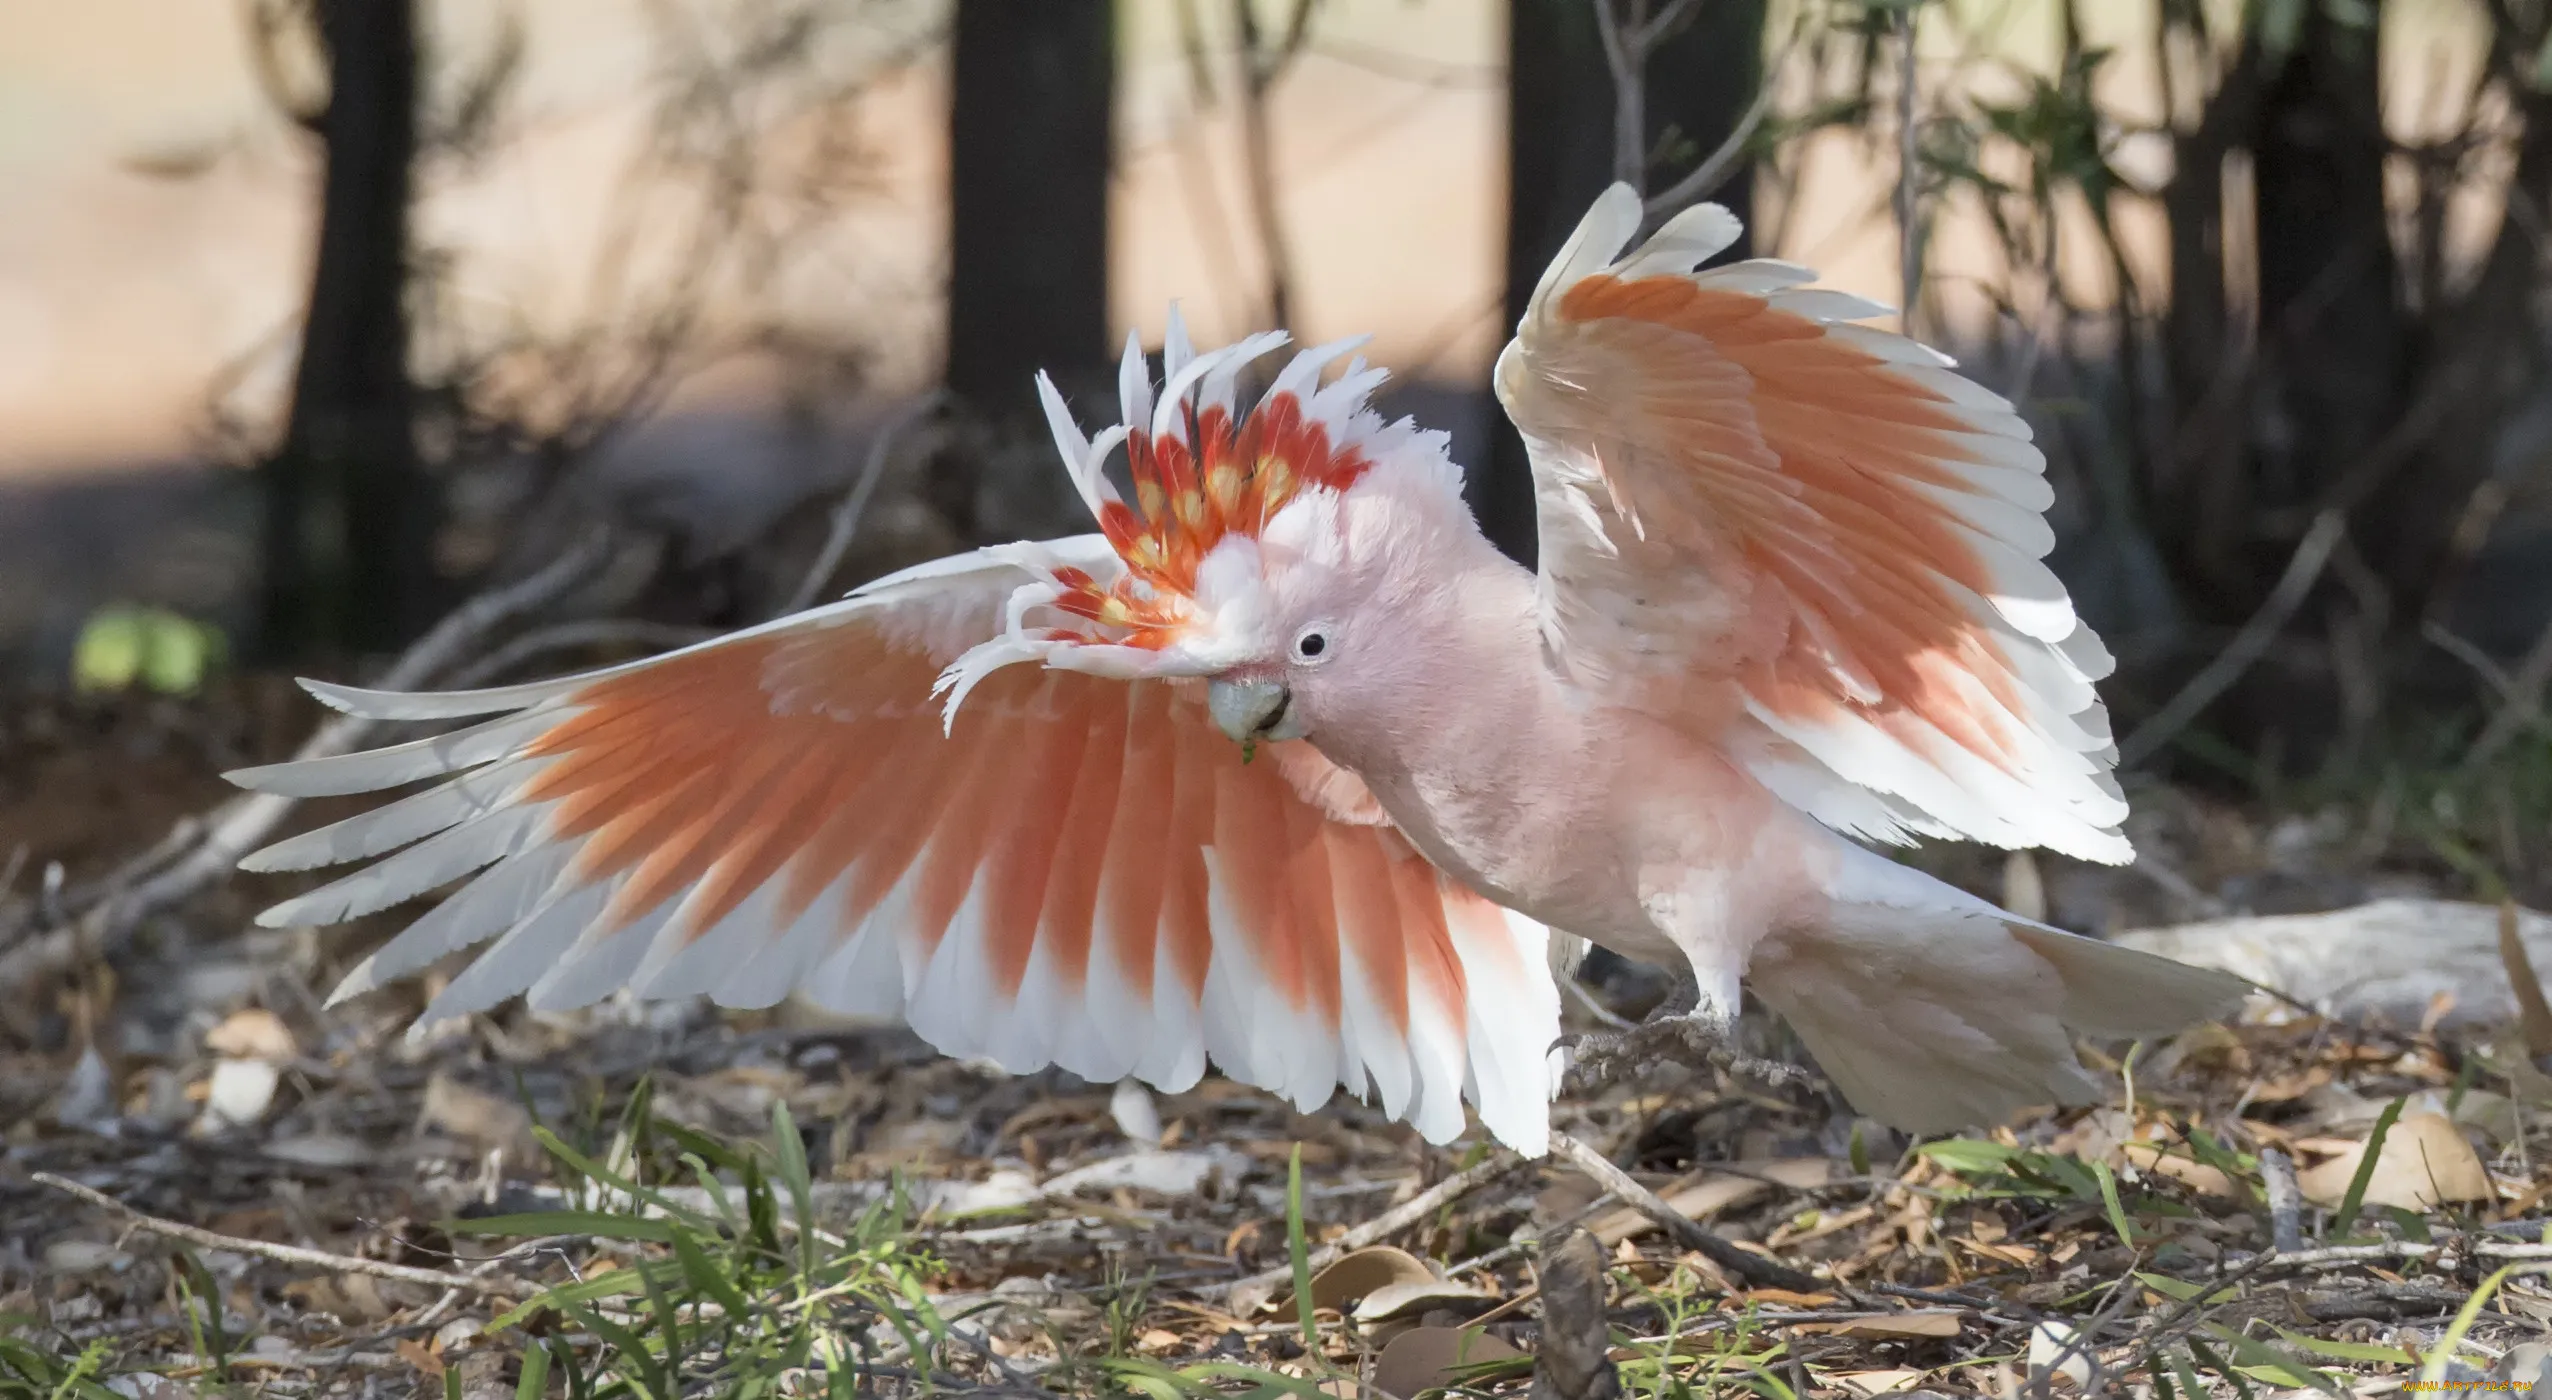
[(350, 514), (1560, 156), (2335, 334), (1030, 145), (2311, 372)]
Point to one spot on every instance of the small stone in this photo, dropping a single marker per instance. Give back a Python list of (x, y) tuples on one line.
[(1136, 1115), (88, 1095), (84, 1257), (2048, 1341), (240, 1094)]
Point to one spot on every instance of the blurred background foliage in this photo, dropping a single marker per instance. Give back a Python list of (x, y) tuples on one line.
[(2267, 276)]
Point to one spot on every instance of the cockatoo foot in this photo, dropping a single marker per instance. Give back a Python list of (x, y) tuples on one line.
[(1677, 1032)]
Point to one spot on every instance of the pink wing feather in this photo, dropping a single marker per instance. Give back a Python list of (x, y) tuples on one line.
[(1809, 541), (1085, 873)]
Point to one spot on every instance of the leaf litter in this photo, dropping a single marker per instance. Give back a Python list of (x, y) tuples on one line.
[(212, 1184)]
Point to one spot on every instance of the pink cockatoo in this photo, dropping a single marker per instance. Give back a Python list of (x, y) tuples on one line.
[(1287, 768)]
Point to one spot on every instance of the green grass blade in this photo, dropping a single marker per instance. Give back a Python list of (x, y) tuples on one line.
[(629, 1355), (789, 1150), (669, 1322), (595, 1171), (2432, 1372), (534, 1383), (2117, 1209), (1300, 1251), (2190, 1386), (703, 1274), (2260, 1359), (1969, 1157), (2206, 1357), (567, 1296), (2345, 1218)]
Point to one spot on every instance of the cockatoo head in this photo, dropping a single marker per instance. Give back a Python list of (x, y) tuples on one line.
[(1264, 547)]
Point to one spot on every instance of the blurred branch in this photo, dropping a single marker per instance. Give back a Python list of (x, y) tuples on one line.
[(270, 23), (241, 824), (1909, 173), (2521, 706), (572, 636), (846, 517), (1261, 65), (1629, 66), (2303, 569), (1720, 165)]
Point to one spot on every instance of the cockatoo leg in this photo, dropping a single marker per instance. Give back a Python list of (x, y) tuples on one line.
[(1682, 1030)]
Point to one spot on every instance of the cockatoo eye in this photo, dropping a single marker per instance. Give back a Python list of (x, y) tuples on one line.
[(1314, 644)]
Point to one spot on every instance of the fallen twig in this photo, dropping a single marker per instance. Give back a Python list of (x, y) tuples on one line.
[(286, 1253), (1745, 1264), (2444, 1252)]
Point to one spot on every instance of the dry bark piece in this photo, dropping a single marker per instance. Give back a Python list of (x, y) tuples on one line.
[(1575, 1363)]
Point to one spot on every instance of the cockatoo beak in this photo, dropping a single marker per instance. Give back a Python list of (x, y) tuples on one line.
[(1251, 710)]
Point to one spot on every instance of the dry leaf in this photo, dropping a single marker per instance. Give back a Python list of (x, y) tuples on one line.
[(421, 1356), (254, 1034), (475, 1116), (1427, 1358), (1873, 1383), (2425, 1161), (1784, 1298), (1916, 1324), (2164, 1160), (1415, 1295), (1353, 1276)]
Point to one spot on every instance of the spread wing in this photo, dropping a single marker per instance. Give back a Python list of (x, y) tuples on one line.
[(1808, 540), (1083, 872)]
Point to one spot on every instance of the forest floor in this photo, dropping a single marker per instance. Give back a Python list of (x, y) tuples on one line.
[(211, 1182)]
